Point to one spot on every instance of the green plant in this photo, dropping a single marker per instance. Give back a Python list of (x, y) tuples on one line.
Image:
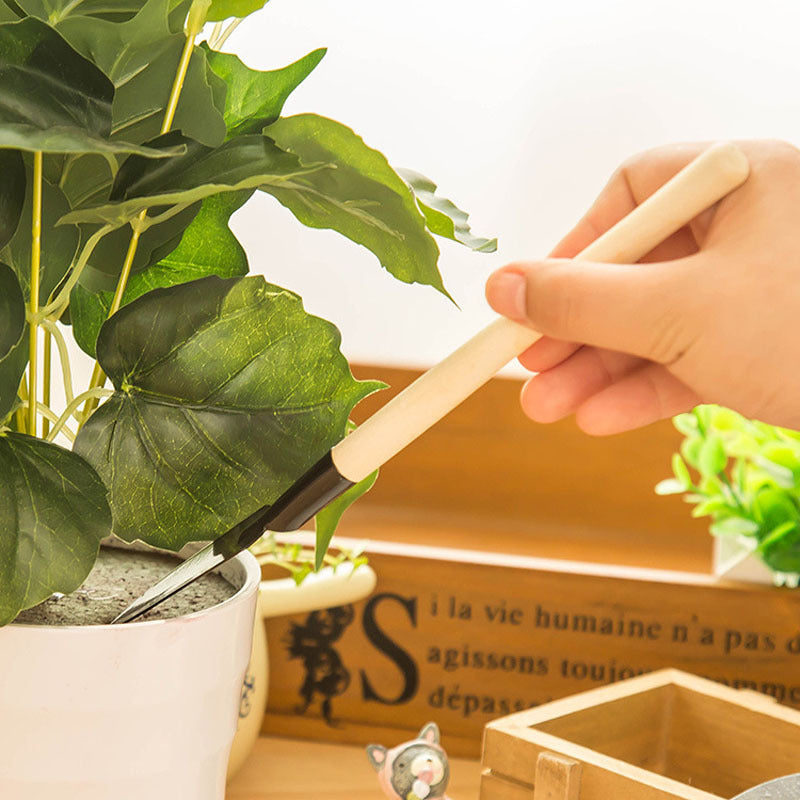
[(748, 481), (125, 146), (300, 561)]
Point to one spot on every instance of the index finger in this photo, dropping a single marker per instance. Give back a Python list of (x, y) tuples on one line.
[(632, 183)]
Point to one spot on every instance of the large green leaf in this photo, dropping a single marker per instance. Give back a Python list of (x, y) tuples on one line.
[(6, 14), (208, 247), (53, 514), (53, 11), (105, 264), (442, 216), (120, 50), (140, 104), (255, 99), (245, 162), (12, 196), (226, 392), (12, 309), (12, 331), (52, 99), (12, 368), (59, 243), (140, 57), (223, 9), (362, 197), (85, 178)]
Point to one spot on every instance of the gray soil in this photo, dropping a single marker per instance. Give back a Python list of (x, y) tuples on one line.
[(118, 578)]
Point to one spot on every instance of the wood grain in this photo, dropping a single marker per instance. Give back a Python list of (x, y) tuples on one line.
[(463, 637), (281, 769), (697, 740), (487, 478), (557, 778)]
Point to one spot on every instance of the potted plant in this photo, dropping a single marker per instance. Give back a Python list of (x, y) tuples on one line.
[(126, 143), (747, 479)]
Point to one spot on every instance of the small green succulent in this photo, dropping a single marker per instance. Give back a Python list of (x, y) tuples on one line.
[(748, 481), (300, 561)]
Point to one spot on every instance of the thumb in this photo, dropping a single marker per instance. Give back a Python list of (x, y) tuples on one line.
[(647, 310)]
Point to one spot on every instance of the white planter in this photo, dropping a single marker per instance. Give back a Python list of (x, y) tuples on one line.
[(323, 589), (735, 560), (142, 711)]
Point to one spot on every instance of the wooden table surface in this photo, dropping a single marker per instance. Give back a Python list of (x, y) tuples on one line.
[(288, 769)]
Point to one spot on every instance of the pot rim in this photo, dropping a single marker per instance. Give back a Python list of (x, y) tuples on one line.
[(250, 585)]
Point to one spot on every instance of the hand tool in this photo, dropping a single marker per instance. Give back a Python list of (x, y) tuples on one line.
[(712, 175)]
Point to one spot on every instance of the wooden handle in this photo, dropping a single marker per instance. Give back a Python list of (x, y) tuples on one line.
[(712, 175)]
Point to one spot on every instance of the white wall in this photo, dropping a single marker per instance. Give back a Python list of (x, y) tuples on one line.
[(520, 111)]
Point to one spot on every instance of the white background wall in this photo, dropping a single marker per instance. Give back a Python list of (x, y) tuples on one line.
[(519, 111)]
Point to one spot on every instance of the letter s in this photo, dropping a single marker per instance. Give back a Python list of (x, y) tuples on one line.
[(390, 648)]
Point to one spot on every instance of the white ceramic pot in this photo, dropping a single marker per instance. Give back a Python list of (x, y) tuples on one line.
[(323, 589), (735, 559), (142, 711)]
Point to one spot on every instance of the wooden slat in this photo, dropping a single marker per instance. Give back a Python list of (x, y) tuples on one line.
[(460, 677), (494, 787), (602, 696), (513, 754), (557, 778), (726, 748), (632, 729), (547, 490)]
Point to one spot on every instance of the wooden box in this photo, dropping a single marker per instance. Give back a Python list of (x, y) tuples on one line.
[(664, 735), (464, 637)]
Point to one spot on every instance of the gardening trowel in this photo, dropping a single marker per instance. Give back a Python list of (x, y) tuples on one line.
[(712, 175)]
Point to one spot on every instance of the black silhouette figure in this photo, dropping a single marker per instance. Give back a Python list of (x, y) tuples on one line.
[(312, 642)]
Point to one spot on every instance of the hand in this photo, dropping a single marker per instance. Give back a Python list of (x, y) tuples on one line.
[(712, 317)]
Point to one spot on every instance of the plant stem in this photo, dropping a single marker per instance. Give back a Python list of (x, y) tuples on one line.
[(194, 25), (63, 355), (71, 408), (46, 363), (216, 31), (57, 307), (98, 376), (36, 253), (227, 32), (727, 481), (22, 423), (48, 414)]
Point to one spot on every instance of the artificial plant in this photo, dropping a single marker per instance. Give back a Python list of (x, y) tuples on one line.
[(746, 479), (126, 143)]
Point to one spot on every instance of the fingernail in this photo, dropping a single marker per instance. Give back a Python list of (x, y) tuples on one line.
[(506, 294)]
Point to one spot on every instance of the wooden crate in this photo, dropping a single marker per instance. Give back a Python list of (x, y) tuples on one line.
[(486, 530), (664, 735), (463, 637)]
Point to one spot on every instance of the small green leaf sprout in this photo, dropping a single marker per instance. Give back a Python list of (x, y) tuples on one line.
[(746, 479), (299, 560)]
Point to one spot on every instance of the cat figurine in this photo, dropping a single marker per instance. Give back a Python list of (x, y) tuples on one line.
[(414, 770)]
